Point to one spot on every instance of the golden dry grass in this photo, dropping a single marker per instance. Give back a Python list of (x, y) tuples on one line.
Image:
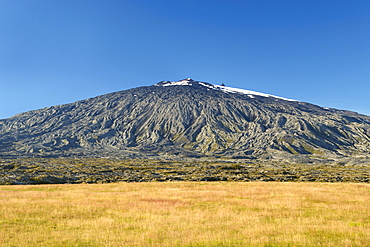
[(186, 214)]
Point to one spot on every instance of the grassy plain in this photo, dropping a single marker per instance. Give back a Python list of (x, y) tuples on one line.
[(186, 214)]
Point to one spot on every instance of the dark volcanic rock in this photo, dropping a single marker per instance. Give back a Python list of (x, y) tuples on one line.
[(186, 118)]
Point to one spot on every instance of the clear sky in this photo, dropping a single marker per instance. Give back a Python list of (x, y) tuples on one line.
[(55, 52)]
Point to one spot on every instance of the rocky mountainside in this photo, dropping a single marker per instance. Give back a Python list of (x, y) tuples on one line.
[(186, 119)]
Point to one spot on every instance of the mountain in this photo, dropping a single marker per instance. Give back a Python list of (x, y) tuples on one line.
[(186, 119)]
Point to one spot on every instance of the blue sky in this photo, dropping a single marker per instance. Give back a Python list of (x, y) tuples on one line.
[(56, 52)]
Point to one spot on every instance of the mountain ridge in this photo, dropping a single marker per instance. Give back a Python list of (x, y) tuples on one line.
[(186, 119)]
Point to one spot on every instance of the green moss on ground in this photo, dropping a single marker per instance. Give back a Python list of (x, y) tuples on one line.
[(94, 170)]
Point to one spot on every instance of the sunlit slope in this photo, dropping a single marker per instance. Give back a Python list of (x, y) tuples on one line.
[(190, 120)]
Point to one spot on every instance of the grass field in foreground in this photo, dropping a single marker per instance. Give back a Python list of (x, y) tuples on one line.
[(186, 214)]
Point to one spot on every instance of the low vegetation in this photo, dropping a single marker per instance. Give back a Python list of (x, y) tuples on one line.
[(186, 214), (70, 170)]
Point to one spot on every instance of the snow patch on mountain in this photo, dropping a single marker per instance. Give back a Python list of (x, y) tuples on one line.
[(186, 82), (191, 82)]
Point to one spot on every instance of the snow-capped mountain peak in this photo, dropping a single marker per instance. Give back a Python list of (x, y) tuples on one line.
[(184, 82), (191, 82)]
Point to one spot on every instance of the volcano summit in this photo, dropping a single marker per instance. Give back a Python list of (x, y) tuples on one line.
[(186, 118)]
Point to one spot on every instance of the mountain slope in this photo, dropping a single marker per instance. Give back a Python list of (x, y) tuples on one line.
[(186, 118)]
